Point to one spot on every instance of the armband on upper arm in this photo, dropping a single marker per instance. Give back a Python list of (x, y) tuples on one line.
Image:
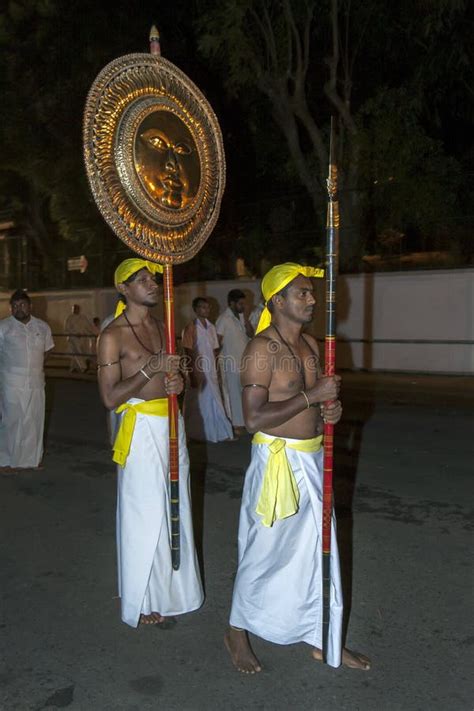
[(104, 365)]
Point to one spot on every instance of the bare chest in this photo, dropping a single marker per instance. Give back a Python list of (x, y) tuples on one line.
[(294, 371), (139, 345)]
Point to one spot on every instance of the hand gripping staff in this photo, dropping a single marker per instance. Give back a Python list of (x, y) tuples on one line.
[(332, 258), (155, 161)]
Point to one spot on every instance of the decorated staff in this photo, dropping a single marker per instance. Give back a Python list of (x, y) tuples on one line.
[(332, 257), (173, 409), (155, 162)]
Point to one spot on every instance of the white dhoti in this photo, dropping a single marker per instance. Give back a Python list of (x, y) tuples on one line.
[(204, 411), (278, 588), (76, 327), (147, 581), (233, 394), (77, 347), (22, 418)]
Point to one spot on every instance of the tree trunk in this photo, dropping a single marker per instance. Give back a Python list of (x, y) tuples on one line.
[(35, 229)]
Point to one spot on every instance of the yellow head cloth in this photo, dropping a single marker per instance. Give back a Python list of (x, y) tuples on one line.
[(129, 267), (276, 279)]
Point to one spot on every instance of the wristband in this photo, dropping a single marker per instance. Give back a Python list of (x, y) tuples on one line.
[(145, 374)]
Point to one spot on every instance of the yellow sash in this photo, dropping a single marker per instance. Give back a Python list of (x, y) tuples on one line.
[(123, 440), (280, 497)]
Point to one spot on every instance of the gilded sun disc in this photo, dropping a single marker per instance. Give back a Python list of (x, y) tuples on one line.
[(167, 160), (154, 157)]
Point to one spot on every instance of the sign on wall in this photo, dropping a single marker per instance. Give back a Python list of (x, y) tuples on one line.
[(77, 264)]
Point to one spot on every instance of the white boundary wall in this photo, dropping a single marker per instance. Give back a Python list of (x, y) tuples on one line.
[(407, 321), (394, 321)]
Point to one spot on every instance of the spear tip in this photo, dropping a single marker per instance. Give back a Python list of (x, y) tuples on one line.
[(332, 173), (154, 41)]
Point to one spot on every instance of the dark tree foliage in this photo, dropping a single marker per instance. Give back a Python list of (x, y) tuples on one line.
[(388, 71), (51, 53), (397, 76)]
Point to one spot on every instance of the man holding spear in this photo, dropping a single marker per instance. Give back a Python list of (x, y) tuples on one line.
[(278, 587), (135, 377)]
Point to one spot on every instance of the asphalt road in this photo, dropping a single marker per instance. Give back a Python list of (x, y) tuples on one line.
[(403, 497)]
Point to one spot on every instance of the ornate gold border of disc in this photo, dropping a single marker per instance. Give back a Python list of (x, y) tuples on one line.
[(124, 95)]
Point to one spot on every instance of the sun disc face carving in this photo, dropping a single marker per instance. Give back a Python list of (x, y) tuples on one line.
[(167, 160)]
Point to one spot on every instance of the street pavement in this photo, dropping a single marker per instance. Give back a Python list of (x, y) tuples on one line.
[(403, 492)]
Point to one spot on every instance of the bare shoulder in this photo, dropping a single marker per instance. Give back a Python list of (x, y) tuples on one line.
[(110, 338), (113, 329), (259, 344), (256, 364)]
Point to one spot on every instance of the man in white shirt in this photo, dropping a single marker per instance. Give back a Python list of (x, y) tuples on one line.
[(234, 331), (24, 340)]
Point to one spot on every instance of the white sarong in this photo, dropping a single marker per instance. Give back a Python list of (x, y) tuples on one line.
[(76, 327), (21, 418), (146, 579), (278, 588), (22, 349)]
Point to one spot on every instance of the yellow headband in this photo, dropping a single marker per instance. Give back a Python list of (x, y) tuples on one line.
[(276, 279), (129, 267)]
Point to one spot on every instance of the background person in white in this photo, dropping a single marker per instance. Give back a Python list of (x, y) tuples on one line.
[(76, 327), (204, 412), (234, 331), (24, 340), (254, 317)]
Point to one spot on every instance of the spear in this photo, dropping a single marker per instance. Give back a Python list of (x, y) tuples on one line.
[(332, 259)]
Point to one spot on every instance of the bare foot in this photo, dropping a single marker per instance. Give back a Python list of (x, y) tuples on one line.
[(238, 645), (153, 619), (355, 660), (8, 470), (352, 660)]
